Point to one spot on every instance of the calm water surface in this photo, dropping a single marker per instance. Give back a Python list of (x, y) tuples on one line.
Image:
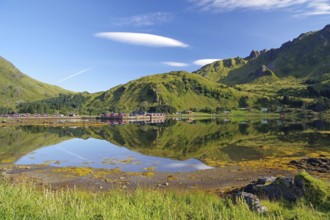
[(102, 154), (176, 146)]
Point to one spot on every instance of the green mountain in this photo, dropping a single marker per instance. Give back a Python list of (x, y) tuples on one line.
[(306, 57), (167, 93), (16, 87)]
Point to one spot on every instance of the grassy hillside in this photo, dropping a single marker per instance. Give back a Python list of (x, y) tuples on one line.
[(17, 87), (219, 70), (167, 92)]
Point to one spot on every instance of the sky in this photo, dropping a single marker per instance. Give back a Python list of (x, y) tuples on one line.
[(94, 45)]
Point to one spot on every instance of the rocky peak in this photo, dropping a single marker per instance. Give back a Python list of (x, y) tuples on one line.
[(325, 33), (326, 28), (255, 54)]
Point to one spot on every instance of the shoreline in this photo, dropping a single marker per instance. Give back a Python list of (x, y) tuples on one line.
[(218, 180)]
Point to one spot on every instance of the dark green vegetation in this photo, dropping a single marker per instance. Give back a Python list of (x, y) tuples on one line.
[(16, 87), (317, 192), (64, 104), (26, 202)]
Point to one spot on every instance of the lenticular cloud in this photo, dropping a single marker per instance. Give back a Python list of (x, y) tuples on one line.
[(141, 39)]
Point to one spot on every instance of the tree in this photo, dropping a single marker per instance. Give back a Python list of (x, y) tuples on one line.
[(243, 102)]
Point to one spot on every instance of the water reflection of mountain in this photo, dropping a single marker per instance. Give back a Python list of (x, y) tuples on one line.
[(18, 141), (207, 139), (219, 140)]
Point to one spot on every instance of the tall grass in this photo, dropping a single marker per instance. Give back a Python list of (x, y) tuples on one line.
[(26, 202)]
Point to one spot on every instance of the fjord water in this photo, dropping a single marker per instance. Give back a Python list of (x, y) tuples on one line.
[(103, 154), (170, 146)]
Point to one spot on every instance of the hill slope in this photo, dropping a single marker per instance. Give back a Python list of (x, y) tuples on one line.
[(306, 57), (17, 87), (168, 92)]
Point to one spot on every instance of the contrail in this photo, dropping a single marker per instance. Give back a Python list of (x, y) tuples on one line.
[(73, 154), (73, 75)]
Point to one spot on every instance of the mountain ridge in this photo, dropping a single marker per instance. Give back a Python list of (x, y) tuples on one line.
[(16, 87), (307, 56)]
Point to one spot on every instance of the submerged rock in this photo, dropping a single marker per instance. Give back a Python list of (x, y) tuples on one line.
[(320, 165)]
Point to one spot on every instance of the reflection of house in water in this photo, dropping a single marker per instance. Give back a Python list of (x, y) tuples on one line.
[(115, 122), (144, 122), (133, 116), (134, 121), (136, 117)]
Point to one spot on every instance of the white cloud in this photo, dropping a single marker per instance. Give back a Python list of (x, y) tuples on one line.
[(204, 62), (149, 19), (73, 75), (141, 39), (299, 7), (175, 64), (317, 8)]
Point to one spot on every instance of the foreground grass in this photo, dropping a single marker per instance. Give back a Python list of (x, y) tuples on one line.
[(25, 202)]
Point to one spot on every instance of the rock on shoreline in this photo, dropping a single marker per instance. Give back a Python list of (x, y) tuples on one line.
[(302, 186)]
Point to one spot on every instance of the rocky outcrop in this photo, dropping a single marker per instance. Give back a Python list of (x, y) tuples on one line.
[(276, 188), (255, 54), (251, 200), (263, 71), (312, 190)]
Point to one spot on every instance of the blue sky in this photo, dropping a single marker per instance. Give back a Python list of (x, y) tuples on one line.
[(93, 45)]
